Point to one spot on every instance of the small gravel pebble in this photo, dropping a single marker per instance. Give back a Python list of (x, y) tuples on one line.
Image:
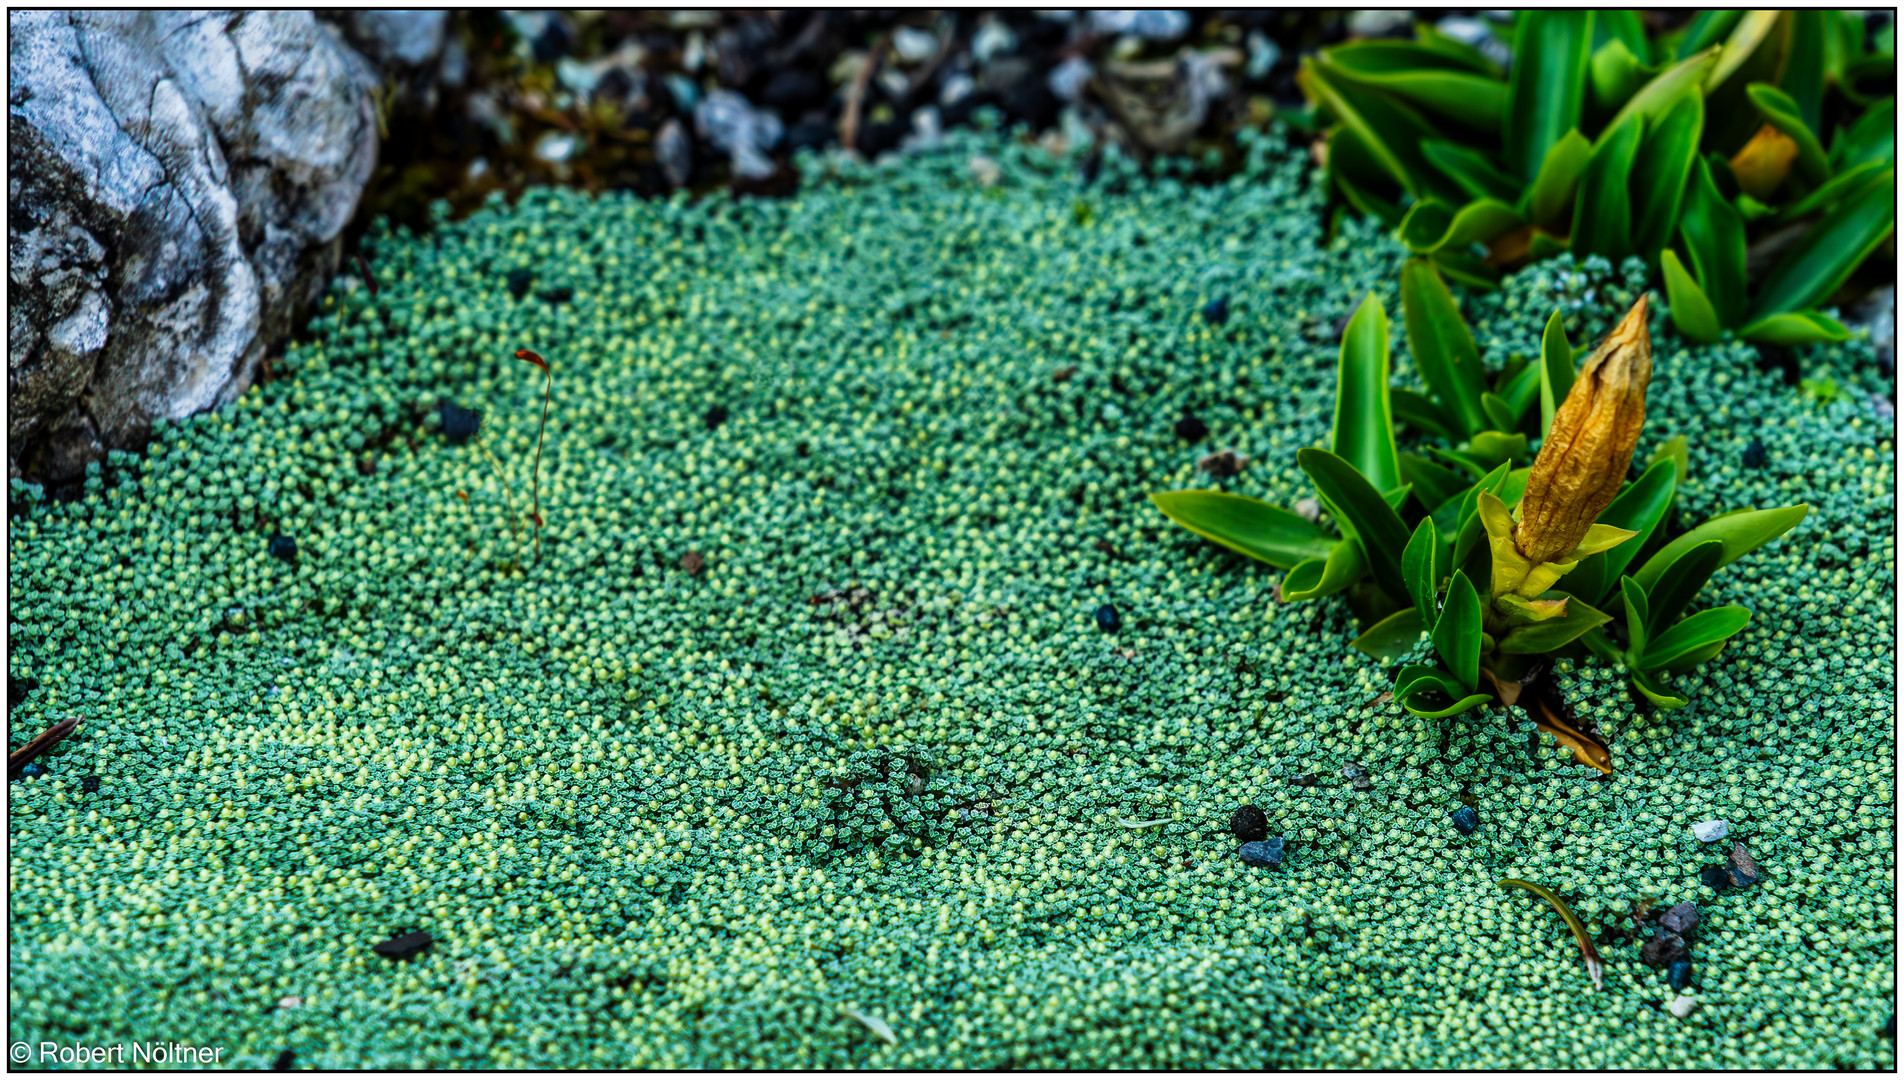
[(1249, 823), (33, 768), (1889, 1030), (1754, 455), (89, 784), (1217, 312), (460, 424), (1715, 877), (1679, 974), (1681, 1006), (1191, 429), (1680, 918), (1665, 949), (1741, 868), (1466, 820), (694, 562), (283, 547), (1107, 619), (1263, 852), (1223, 464), (1354, 771), (285, 1060), (1708, 831), (404, 946), (1307, 779)]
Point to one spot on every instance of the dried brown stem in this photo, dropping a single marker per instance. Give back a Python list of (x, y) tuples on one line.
[(856, 93), (42, 743)]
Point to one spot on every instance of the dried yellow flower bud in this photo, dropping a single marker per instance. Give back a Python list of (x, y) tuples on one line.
[(1585, 456)]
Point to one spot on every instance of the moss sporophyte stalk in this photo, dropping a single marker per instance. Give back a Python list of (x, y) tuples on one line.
[(878, 766)]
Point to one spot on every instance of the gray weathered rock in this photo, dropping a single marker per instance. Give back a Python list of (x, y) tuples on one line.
[(180, 184)]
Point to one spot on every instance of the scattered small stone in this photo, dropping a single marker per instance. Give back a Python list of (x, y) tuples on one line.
[(1741, 868), (1680, 918), (1263, 852), (1308, 509), (89, 784), (1223, 464), (1679, 974), (1681, 1006), (285, 1059), (1107, 619), (1217, 312), (33, 768), (1064, 373), (715, 417), (1466, 820), (1754, 455), (693, 562), (1715, 877), (1249, 824), (404, 946), (1307, 779), (1708, 831), (1889, 1030), (1354, 771), (1665, 949), (1191, 429), (460, 424), (283, 547), (290, 1002), (519, 282)]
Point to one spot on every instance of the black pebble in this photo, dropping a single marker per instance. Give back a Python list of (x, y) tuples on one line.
[(1307, 779), (404, 946), (715, 417), (1191, 429), (1715, 877), (557, 294), (1680, 974), (89, 784), (1263, 852), (33, 768), (460, 424), (285, 1058), (1217, 312), (1754, 455), (283, 547), (876, 139), (1680, 918), (1107, 619), (1465, 820), (1889, 1030), (1249, 824), (519, 282), (1663, 950)]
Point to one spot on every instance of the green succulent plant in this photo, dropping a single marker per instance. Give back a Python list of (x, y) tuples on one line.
[(1747, 131), (1498, 566)]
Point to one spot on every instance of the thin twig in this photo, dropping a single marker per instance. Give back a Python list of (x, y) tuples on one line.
[(40, 745), (1579, 928), (535, 477), (856, 93)]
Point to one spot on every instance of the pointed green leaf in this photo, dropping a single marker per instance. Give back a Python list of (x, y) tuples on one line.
[(1441, 344), (1659, 181), (1553, 634), (1781, 112), (1870, 140), (1359, 505), (1315, 578), (1549, 78), (1813, 268), (1393, 637), (1715, 243), (1459, 51), (1640, 506), (1467, 271), (1692, 312), (1498, 413), (1431, 227), (1692, 634), (1655, 689), (1740, 532), (1418, 569), (1360, 177), (1420, 689), (1680, 582), (1457, 632), (1246, 526), (1423, 414), (1637, 616), (1614, 73), (1693, 659), (1746, 37), (1675, 451), (1470, 170), (1433, 484), (1804, 77), (1603, 211), (1549, 199), (1521, 391), (1827, 195), (1793, 328), (1364, 427), (1662, 91), (1390, 130), (1468, 528), (1493, 447), (1424, 77), (1556, 370), (1622, 25), (1708, 28)]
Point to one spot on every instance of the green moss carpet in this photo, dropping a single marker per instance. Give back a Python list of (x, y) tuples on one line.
[(876, 769)]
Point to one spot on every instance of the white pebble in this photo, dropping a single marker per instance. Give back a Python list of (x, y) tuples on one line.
[(1681, 1006), (1708, 831)]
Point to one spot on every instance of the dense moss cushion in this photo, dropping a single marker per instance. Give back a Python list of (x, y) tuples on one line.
[(878, 762)]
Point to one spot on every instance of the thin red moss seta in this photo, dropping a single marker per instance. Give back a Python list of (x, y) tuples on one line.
[(535, 476)]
